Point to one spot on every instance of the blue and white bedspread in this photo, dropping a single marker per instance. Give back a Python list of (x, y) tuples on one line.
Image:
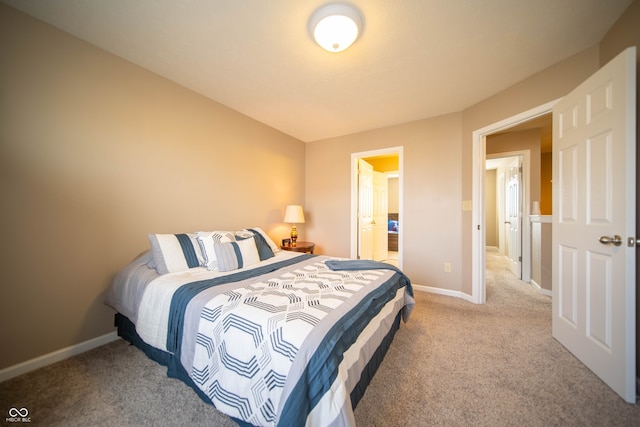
[(285, 345)]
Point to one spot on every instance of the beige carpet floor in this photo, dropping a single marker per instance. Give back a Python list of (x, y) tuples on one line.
[(453, 364)]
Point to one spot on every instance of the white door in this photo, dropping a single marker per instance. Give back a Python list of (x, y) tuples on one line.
[(365, 210), (502, 241), (513, 217), (594, 205), (380, 216)]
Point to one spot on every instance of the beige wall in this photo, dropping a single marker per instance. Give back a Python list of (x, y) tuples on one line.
[(94, 154), (432, 213), (491, 207), (623, 34)]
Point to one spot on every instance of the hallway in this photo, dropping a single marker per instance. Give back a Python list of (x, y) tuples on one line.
[(499, 275)]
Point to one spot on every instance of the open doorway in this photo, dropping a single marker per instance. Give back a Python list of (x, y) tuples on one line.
[(376, 203), (517, 227), (478, 216), (579, 313)]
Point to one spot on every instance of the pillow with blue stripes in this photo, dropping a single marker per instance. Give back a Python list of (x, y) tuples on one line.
[(175, 252), (262, 244), (262, 240), (236, 255)]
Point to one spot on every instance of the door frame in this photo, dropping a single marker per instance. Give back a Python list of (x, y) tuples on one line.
[(478, 240), (354, 196)]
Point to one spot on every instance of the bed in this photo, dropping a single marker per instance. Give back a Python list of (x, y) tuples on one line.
[(268, 337)]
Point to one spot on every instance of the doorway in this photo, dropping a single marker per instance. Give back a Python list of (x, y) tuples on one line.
[(478, 256), (580, 316), (504, 195), (371, 237)]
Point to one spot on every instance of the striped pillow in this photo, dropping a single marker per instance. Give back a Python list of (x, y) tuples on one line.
[(238, 254), (248, 232), (264, 249), (175, 252), (207, 240)]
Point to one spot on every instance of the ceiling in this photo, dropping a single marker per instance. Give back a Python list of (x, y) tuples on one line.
[(415, 58)]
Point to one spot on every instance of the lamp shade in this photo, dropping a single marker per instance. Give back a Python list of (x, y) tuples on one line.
[(335, 26), (294, 214)]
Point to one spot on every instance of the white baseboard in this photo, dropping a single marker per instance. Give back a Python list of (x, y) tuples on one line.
[(56, 356), (535, 285), (440, 291), (540, 289)]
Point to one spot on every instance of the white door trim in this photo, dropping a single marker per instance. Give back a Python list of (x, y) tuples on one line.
[(354, 196), (478, 241)]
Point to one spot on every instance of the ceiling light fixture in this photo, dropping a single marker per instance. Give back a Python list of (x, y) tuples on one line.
[(335, 26)]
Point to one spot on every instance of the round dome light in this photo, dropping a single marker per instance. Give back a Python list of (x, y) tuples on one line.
[(335, 26)]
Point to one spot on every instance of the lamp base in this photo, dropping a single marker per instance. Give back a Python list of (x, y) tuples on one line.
[(294, 235)]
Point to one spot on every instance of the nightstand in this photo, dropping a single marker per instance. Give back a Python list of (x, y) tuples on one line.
[(306, 247)]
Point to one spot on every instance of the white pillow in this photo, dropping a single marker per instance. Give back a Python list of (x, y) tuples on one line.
[(238, 254), (175, 252), (247, 233), (207, 240)]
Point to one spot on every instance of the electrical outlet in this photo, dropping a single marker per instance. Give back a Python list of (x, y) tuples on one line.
[(447, 267)]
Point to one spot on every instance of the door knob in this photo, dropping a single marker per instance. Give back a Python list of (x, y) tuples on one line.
[(606, 240)]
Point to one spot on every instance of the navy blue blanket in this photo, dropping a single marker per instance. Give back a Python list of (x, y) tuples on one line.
[(367, 264)]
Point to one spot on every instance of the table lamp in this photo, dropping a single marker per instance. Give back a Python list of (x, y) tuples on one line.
[(294, 215)]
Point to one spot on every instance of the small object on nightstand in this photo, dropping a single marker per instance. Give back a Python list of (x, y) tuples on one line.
[(306, 247)]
